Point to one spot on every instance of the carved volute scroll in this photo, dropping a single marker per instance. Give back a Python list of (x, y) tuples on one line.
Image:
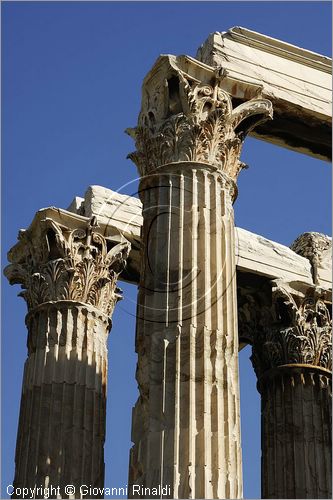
[(61, 263), (300, 333), (186, 116)]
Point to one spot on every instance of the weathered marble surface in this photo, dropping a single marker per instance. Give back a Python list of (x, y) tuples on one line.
[(292, 357), (317, 248), (296, 80), (186, 423), (254, 253), (117, 214), (259, 255), (296, 434), (68, 271)]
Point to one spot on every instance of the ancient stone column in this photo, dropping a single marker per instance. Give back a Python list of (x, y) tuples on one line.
[(186, 423), (293, 360), (69, 275)]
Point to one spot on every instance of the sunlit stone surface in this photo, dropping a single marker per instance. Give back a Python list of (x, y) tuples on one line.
[(68, 271)]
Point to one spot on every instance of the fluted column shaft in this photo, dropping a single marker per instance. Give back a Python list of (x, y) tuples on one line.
[(69, 275), (186, 429), (296, 409), (62, 417), (292, 356), (187, 339)]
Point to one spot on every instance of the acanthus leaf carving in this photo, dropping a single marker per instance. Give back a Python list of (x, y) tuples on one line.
[(63, 264), (300, 333), (197, 124)]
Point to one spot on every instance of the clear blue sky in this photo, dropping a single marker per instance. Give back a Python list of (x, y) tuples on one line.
[(71, 80)]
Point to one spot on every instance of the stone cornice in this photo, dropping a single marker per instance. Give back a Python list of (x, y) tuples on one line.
[(278, 47), (297, 81)]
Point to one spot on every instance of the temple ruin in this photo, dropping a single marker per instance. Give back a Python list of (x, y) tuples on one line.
[(206, 289)]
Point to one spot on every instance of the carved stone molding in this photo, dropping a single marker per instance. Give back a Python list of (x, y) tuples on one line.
[(56, 262), (316, 247), (299, 334), (189, 119)]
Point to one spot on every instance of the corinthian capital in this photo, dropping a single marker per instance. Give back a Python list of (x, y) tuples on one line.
[(186, 116), (64, 257), (300, 332)]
